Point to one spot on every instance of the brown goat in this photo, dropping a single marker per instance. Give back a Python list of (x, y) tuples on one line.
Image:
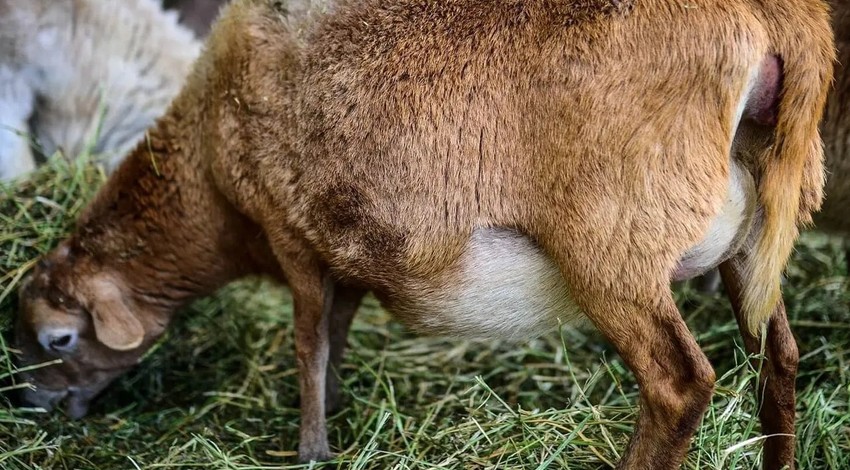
[(485, 170)]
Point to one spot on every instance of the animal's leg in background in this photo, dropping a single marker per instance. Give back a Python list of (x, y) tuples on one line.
[(709, 282), (345, 302), (16, 106), (16, 157), (312, 293), (778, 376)]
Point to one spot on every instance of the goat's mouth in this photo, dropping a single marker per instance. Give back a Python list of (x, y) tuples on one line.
[(76, 400)]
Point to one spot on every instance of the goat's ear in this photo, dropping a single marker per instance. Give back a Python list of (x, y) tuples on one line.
[(114, 324), (25, 283), (63, 251)]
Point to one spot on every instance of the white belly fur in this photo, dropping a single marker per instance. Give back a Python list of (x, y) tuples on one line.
[(504, 286), (727, 231)]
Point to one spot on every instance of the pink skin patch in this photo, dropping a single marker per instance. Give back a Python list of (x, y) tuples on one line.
[(763, 103)]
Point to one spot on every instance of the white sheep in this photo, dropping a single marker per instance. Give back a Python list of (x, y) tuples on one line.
[(85, 74)]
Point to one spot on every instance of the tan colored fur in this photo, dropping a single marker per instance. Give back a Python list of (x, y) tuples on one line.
[(473, 145), (364, 145), (834, 216), (795, 161)]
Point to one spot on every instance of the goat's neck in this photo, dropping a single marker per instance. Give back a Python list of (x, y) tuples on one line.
[(160, 222)]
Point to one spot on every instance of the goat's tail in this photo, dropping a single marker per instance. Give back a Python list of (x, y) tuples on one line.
[(791, 172)]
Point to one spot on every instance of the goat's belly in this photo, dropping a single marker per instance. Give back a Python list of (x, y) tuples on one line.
[(503, 286), (727, 231)]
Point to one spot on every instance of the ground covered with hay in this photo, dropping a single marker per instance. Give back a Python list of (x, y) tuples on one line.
[(220, 392)]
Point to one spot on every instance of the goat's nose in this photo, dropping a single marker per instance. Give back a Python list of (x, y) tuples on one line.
[(58, 339)]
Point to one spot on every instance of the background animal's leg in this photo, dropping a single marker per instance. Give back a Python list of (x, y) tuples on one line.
[(312, 294), (16, 106), (709, 282), (778, 372), (16, 157), (345, 302)]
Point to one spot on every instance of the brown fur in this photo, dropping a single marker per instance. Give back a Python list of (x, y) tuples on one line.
[(777, 375), (795, 161), (365, 148)]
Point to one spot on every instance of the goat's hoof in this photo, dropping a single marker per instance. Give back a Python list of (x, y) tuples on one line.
[(307, 454)]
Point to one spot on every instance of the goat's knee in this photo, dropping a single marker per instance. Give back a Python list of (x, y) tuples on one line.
[(677, 396)]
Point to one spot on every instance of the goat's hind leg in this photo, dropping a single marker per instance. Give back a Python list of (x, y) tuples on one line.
[(778, 372), (675, 378)]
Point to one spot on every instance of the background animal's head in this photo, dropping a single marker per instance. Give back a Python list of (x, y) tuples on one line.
[(75, 309)]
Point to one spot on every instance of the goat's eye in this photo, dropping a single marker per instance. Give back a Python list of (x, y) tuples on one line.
[(60, 300)]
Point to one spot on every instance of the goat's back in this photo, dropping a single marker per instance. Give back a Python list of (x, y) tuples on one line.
[(423, 120)]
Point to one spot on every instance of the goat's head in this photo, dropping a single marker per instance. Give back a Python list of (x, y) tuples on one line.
[(75, 309)]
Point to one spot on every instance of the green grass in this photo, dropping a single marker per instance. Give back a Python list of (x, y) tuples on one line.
[(219, 392)]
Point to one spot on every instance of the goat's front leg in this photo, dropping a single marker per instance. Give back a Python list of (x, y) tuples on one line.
[(777, 379), (345, 302), (312, 310), (312, 293)]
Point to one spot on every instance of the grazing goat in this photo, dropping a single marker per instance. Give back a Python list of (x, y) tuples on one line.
[(85, 73), (485, 170)]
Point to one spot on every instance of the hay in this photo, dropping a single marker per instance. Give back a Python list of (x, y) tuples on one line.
[(220, 392)]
